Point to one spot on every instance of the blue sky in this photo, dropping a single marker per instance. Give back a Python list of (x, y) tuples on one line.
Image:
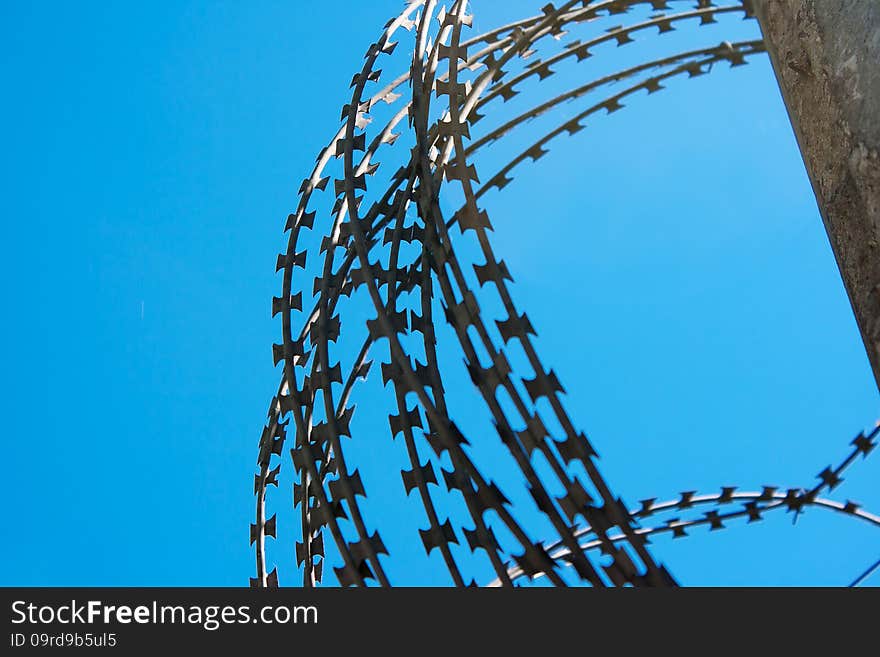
[(152, 155)]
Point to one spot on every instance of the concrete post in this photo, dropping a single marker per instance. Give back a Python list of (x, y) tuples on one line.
[(826, 55)]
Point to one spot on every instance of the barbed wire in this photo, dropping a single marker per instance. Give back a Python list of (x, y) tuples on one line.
[(452, 83), (755, 504)]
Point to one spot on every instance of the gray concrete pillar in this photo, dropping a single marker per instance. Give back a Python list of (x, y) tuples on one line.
[(826, 55)]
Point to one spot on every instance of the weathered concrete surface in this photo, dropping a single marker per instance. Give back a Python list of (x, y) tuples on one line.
[(826, 54)]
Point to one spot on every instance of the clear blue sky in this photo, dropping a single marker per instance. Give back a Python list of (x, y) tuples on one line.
[(151, 155)]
